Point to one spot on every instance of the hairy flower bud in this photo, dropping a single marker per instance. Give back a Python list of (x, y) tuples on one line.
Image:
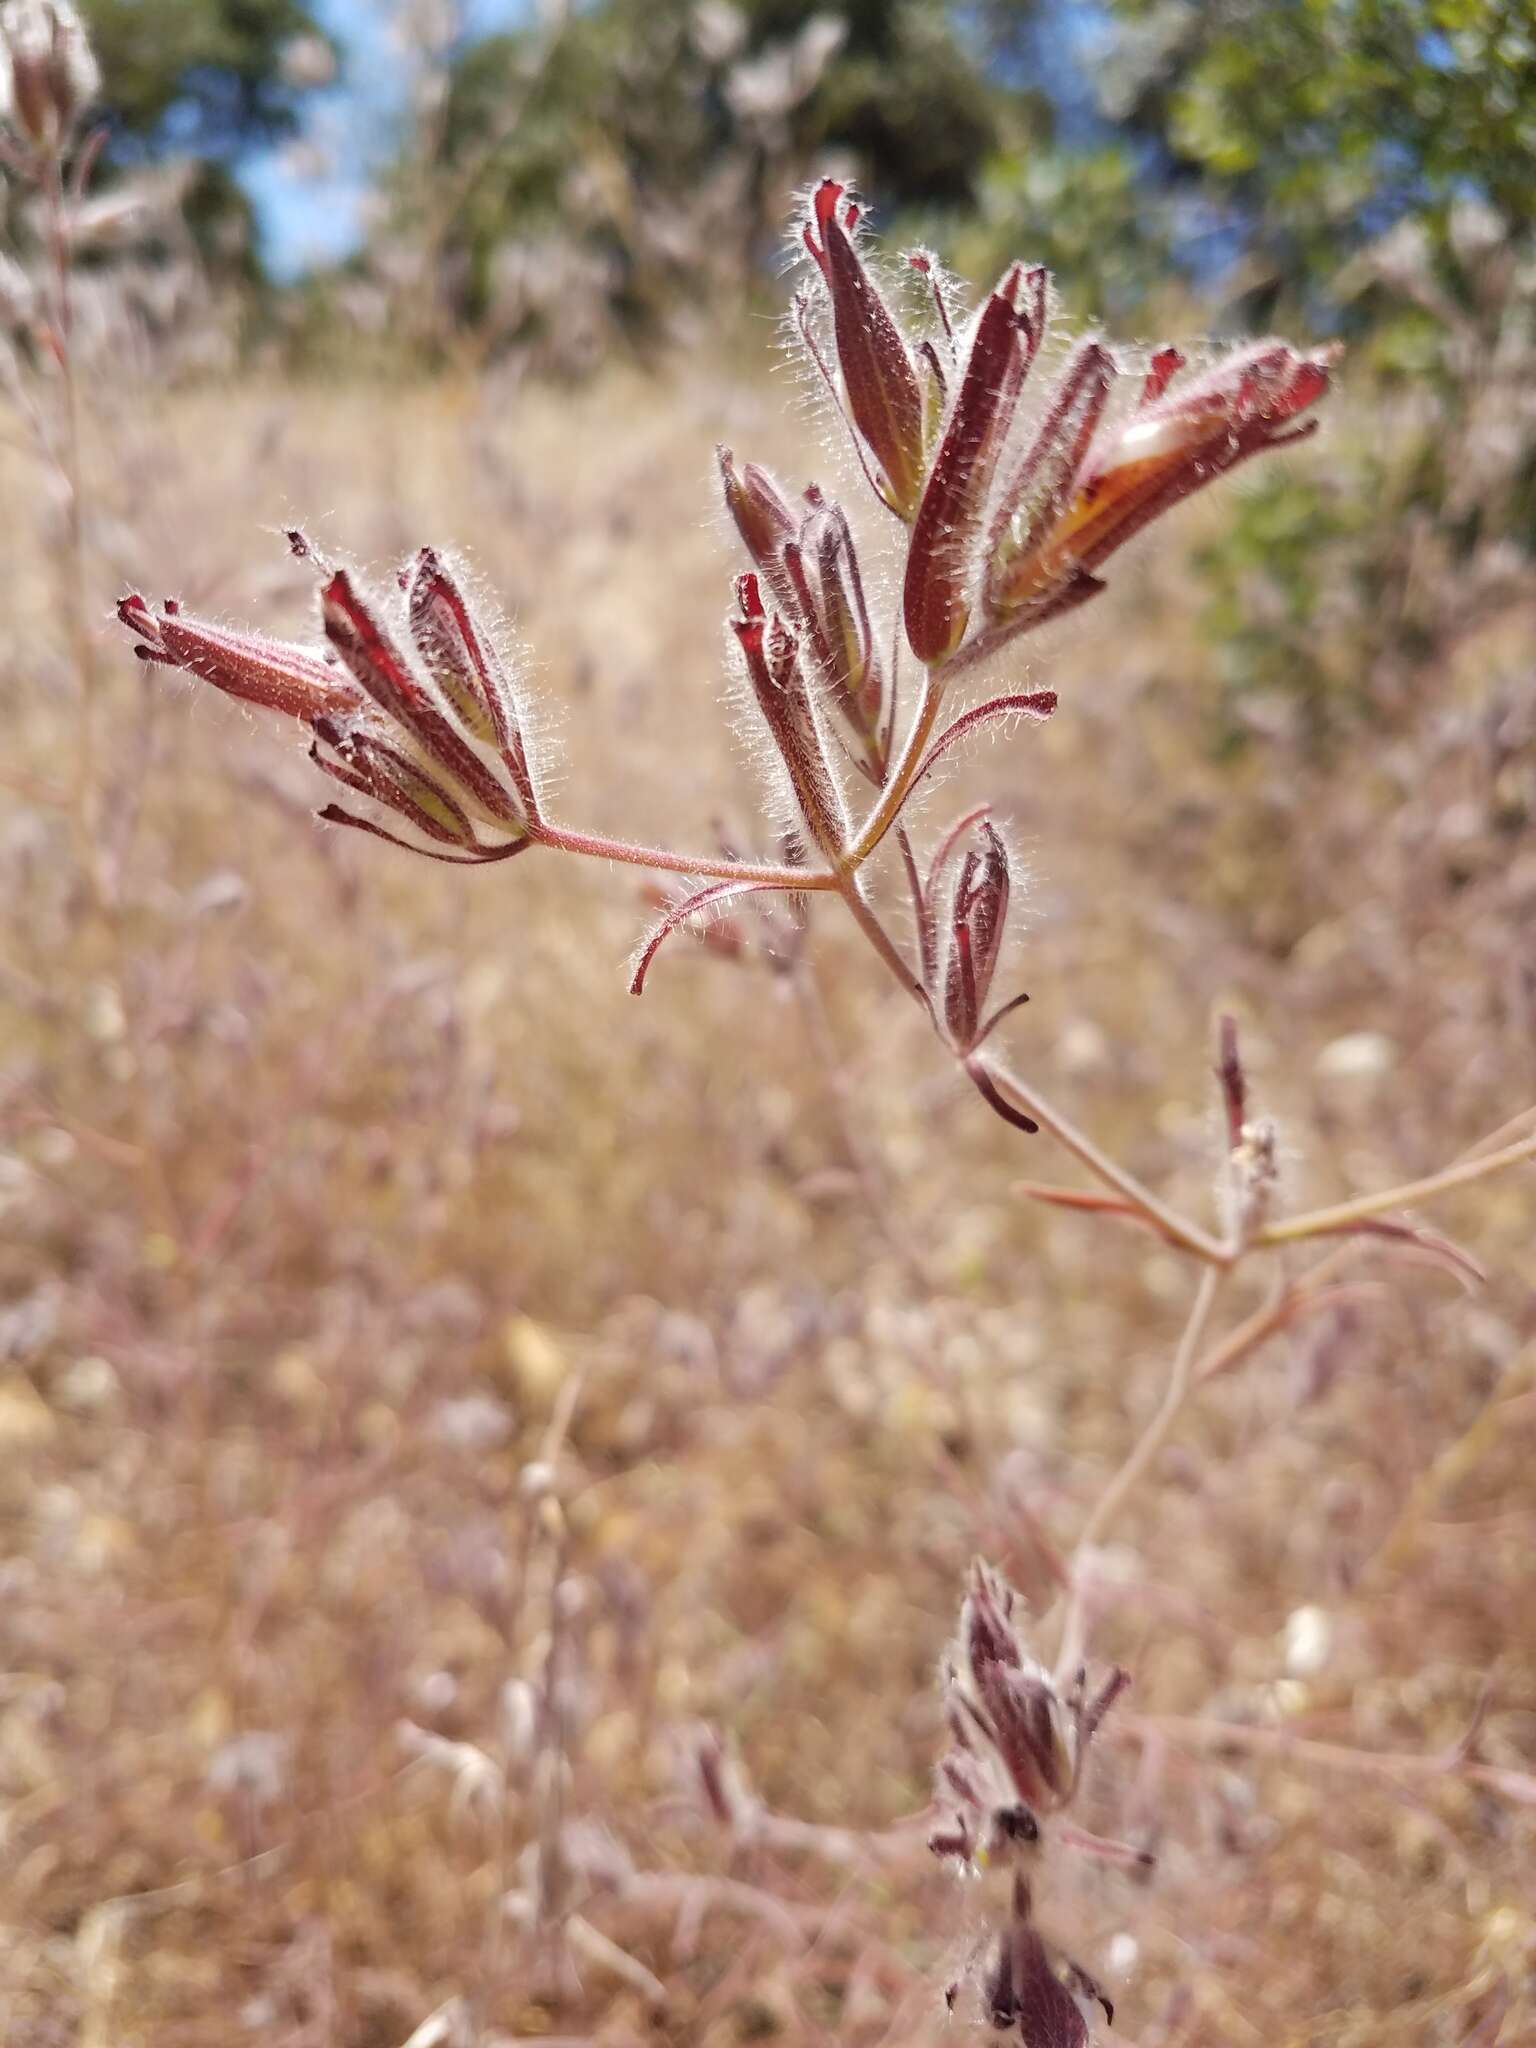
[(820, 569), (426, 726), (467, 666), (1019, 1741), (48, 73), (764, 517), (961, 924), (978, 916), (1039, 489), (771, 656), (275, 674), (1045, 2003), (940, 563), (1172, 445), (880, 388), (445, 750)]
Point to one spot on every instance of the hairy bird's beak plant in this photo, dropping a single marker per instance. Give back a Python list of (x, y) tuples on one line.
[(1009, 509), (1006, 501)]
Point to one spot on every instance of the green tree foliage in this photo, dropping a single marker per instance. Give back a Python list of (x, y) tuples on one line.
[(206, 77), (1330, 120), (659, 136), (1376, 162)]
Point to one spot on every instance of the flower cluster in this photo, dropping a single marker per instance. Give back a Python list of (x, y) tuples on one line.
[(48, 75), (1012, 513), (412, 706), (1008, 510), (1019, 1746)]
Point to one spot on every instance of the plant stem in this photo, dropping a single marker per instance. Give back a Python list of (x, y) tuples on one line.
[(1189, 1732), (1414, 1191), (71, 470), (597, 847), (894, 795), (1145, 1449), (1152, 1439), (848, 888), (1189, 1237)]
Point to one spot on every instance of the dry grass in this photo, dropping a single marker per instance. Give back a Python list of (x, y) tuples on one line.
[(329, 1175)]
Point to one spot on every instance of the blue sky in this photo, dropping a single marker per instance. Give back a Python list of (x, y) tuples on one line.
[(309, 198)]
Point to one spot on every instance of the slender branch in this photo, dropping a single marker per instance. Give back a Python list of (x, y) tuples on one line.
[(71, 468), (596, 847), (1181, 1378), (1212, 1737), (849, 889), (1289, 1305), (1189, 1237), (1291, 1228), (888, 807), (863, 1160), (1153, 1437)]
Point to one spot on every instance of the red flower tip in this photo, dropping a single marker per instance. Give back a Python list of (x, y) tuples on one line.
[(879, 392), (274, 674)]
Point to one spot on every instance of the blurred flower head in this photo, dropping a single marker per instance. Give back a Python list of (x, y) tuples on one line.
[(48, 72), (1019, 1741)]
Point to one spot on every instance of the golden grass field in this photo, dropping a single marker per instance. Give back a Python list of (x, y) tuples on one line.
[(339, 1188)]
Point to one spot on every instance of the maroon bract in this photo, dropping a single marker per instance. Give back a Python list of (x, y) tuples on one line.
[(771, 658), (941, 567), (880, 389), (278, 675)]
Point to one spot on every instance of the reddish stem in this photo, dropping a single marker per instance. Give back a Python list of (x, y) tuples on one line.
[(593, 844)]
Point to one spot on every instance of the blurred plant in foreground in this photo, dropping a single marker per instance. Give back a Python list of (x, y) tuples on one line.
[(48, 80), (1003, 512)]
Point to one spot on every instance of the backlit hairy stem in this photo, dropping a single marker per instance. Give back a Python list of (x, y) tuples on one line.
[(852, 894), (888, 809), (596, 847)]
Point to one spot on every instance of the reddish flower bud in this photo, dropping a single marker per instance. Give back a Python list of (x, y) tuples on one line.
[(771, 657), (941, 571), (465, 663), (974, 925), (883, 397), (1040, 487), (48, 74), (447, 745), (977, 923), (826, 592), (1172, 446), (1045, 2004), (272, 673), (764, 517), (1020, 1743)]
